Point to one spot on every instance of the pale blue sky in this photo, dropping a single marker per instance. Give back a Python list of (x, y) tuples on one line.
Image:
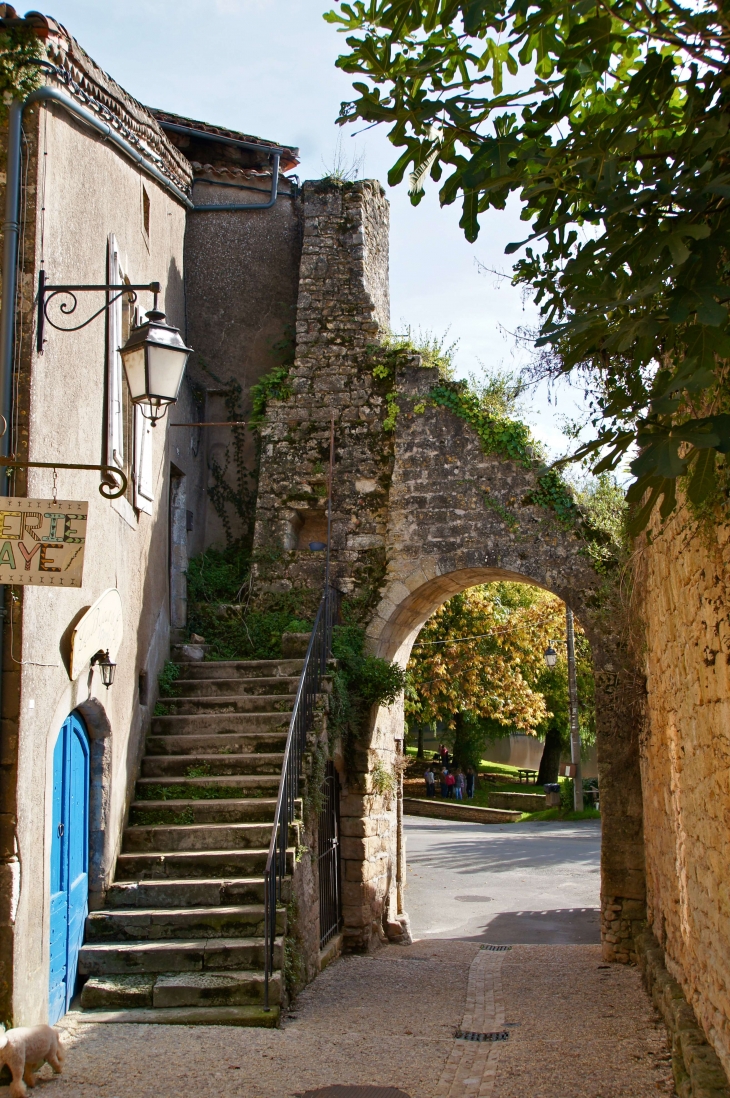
[(267, 67)]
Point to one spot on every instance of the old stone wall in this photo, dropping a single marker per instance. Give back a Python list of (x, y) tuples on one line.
[(459, 517), (683, 585), (419, 513), (241, 284), (341, 312)]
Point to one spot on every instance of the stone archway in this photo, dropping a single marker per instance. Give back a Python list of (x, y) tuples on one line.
[(421, 511), (442, 539)]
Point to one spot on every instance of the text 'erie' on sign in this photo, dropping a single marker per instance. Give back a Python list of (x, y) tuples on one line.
[(42, 541)]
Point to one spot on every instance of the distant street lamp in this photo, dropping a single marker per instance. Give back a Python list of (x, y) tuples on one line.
[(551, 658), (154, 359)]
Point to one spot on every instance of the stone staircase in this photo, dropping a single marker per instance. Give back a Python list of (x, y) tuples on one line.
[(180, 939)]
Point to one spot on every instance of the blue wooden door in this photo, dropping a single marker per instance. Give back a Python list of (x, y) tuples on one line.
[(69, 861)]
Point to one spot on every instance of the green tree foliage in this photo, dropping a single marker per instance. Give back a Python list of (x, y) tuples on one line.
[(359, 682), (20, 48), (610, 120), (478, 669)]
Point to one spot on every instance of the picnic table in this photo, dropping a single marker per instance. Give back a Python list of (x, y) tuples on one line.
[(529, 775)]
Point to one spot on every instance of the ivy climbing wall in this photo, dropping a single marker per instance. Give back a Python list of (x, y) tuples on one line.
[(428, 499)]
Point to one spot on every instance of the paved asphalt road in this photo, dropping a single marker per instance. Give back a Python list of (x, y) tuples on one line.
[(526, 883)]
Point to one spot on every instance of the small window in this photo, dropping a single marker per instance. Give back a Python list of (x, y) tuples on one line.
[(146, 211)]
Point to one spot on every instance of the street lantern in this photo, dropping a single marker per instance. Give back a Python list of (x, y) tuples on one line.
[(106, 667), (551, 656), (154, 359)]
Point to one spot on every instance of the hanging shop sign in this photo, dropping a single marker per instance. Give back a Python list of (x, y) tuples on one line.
[(42, 541), (100, 630)]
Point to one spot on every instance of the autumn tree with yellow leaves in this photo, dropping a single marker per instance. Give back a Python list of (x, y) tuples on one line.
[(478, 668)]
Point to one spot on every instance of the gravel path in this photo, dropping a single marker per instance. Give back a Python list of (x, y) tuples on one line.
[(578, 1029)]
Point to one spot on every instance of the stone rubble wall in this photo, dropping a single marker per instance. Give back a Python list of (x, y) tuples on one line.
[(418, 515), (682, 576), (343, 311), (697, 1070), (459, 517)]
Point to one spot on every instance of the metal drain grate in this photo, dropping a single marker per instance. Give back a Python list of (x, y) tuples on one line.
[(470, 1035), (354, 1092), (496, 949)]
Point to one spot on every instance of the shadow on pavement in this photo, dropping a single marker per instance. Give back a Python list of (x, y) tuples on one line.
[(561, 926)]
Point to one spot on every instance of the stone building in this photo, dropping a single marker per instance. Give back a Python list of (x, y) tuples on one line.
[(106, 198), (257, 272)]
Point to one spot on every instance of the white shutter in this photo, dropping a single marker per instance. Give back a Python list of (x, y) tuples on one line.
[(115, 414), (143, 490)]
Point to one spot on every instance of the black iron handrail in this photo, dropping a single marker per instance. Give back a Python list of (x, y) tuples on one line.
[(315, 666)]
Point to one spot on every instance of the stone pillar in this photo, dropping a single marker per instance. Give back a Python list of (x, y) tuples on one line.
[(619, 720)]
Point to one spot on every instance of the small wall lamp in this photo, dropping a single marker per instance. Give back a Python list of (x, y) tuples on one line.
[(106, 667)]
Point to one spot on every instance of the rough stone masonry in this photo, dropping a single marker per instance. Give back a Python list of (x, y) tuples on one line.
[(418, 514)]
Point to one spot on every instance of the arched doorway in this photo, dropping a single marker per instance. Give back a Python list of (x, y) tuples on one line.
[(69, 861)]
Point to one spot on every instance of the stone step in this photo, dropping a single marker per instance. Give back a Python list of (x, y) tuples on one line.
[(204, 766), (239, 810), (279, 710), (136, 924), (208, 724), (182, 1016), (193, 955), (224, 836), (230, 703), (280, 688), (208, 788), (186, 893), (241, 669), (196, 864), (179, 989), (219, 743)]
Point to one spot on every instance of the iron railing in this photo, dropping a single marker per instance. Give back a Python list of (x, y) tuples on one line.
[(315, 666), (328, 857)]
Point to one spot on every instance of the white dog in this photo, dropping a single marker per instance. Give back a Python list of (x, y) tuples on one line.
[(25, 1050)]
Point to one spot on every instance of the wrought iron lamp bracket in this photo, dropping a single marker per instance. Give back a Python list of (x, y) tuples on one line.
[(47, 293), (109, 487)]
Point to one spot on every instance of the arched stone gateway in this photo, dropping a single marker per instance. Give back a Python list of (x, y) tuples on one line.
[(421, 512)]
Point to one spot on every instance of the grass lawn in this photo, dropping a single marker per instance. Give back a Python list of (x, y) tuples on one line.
[(559, 814), (508, 784)]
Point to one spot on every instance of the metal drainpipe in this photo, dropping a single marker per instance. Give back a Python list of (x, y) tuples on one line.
[(11, 231), (274, 153), (10, 254)]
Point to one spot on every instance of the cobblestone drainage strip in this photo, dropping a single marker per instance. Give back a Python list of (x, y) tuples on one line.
[(354, 1092), (496, 949), (470, 1035)]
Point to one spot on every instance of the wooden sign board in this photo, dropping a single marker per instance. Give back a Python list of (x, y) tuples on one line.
[(100, 630), (42, 542)]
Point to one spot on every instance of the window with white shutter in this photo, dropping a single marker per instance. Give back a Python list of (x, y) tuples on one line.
[(116, 379), (143, 490)]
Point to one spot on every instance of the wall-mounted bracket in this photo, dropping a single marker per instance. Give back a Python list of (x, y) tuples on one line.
[(47, 293), (110, 488)]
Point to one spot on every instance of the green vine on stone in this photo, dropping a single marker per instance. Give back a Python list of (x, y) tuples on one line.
[(512, 440), (20, 48), (272, 386), (359, 682), (494, 505)]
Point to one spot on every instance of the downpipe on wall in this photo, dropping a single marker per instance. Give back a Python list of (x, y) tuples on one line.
[(274, 153)]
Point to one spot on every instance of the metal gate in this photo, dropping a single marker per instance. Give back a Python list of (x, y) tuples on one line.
[(328, 860)]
